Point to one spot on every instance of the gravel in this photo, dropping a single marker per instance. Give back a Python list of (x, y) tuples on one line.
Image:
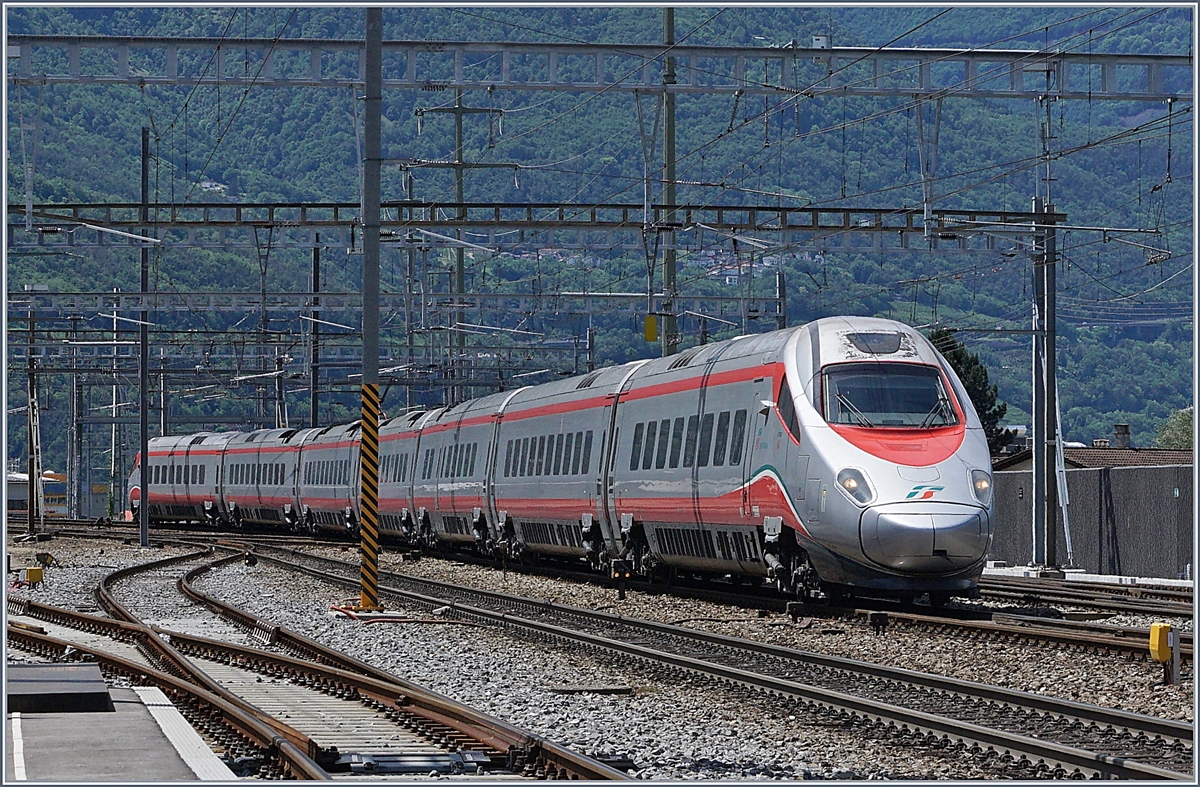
[(677, 730)]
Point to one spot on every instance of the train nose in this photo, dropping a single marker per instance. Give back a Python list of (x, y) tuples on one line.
[(925, 538)]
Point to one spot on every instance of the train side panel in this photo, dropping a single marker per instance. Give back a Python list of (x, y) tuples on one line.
[(398, 439), (328, 471)]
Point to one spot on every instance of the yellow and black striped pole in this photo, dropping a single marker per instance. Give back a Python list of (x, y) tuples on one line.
[(369, 498), (369, 452)]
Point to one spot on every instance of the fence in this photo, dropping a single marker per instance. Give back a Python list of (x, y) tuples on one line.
[(1136, 521)]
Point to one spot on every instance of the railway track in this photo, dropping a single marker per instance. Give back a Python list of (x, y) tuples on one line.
[(1023, 734), (978, 623), (1132, 599), (340, 720)]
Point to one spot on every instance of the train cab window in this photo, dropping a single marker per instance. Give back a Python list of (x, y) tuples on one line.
[(587, 451), (887, 395), (787, 410), (648, 453), (676, 442), (706, 433), (578, 446), (664, 436), (721, 440), (689, 445), (636, 455), (737, 438)]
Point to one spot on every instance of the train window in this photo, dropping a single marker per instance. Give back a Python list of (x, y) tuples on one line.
[(636, 454), (474, 450), (722, 439), (787, 410), (887, 395), (587, 450), (664, 435), (404, 467), (737, 438), (460, 467), (541, 453), (689, 447), (578, 451), (567, 441), (648, 453), (345, 471), (676, 442), (195, 474), (202, 473), (508, 459), (558, 449), (706, 431), (523, 465)]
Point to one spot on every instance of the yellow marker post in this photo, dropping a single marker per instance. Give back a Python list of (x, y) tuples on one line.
[(1164, 648), (369, 499)]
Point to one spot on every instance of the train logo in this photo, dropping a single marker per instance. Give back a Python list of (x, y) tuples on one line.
[(923, 492)]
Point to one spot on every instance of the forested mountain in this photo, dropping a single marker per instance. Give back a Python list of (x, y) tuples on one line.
[(1125, 344)]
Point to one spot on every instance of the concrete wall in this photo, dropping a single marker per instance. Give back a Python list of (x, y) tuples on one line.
[(1137, 521)]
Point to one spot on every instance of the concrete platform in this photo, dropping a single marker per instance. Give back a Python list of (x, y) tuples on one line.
[(56, 688), (143, 739)]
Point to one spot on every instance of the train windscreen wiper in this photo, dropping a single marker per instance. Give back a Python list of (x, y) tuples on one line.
[(854, 411), (940, 408)]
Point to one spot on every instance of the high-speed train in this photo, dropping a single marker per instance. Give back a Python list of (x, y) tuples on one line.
[(839, 457)]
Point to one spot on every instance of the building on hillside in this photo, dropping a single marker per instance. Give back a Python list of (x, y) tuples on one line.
[(1102, 453)]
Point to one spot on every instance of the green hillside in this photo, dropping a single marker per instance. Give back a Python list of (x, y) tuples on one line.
[(1125, 346)]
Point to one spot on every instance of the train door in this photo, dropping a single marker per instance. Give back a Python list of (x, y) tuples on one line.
[(610, 523), (755, 446)]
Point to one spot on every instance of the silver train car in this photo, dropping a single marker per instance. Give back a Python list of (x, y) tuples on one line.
[(839, 457)]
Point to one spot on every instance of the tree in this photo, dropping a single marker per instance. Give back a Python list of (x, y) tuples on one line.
[(1176, 431), (974, 377)]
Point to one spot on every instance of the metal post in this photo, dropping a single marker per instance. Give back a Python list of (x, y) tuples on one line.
[(369, 431), (1049, 449), (314, 363), (1038, 412), (780, 297), (162, 397), (670, 333), (460, 282), (75, 433), (32, 508), (144, 358)]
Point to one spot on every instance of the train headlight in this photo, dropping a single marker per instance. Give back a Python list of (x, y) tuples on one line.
[(981, 486), (854, 483)]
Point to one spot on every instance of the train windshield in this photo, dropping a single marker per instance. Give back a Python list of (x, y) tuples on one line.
[(887, 395)]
